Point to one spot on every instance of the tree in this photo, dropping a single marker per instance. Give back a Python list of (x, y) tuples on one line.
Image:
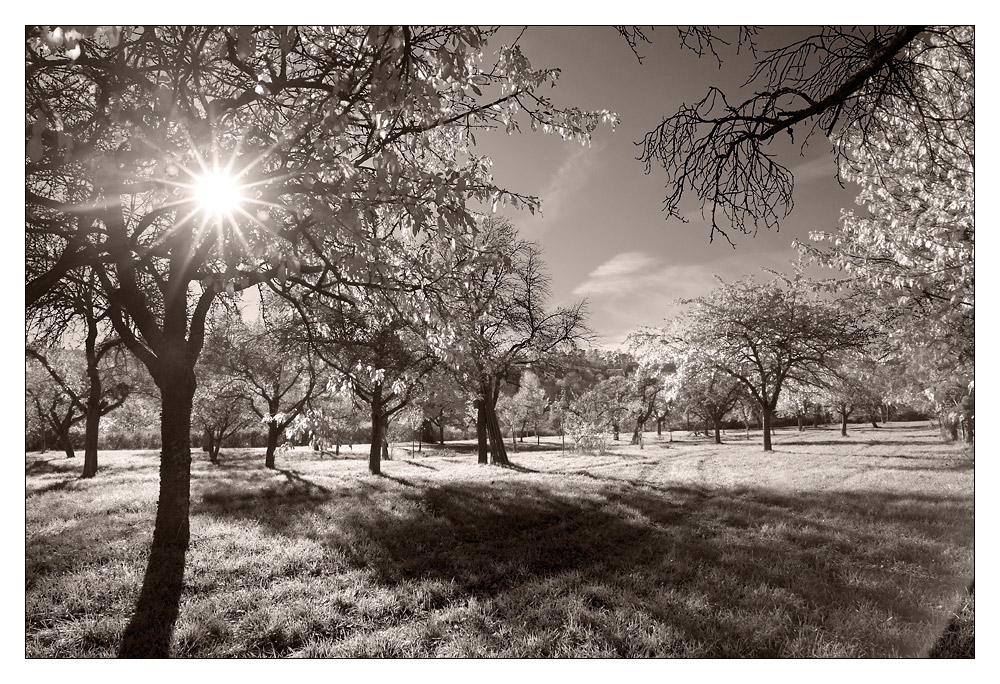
[(846, 393), (765, 335), (800, 401), (653, 379), (443, 403), (76, 386), (67, 312), (330, 418), (709, 392), (501, 310), (381, 359), (275, 374), (830, 81), (531, 400), (605, 407), (221, 408)]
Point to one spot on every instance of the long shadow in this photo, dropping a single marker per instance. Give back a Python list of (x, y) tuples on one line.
[(296, 479), (395, 478), (515, 467), (54, 487), (39, 466), (419, 465), (149, 632)]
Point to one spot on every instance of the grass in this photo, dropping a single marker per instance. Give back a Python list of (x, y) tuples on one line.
[(828, 546)]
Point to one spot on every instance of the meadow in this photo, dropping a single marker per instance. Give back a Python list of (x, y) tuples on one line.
[(826, 547)]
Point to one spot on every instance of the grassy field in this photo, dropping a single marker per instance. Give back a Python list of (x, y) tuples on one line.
[(829, 546)]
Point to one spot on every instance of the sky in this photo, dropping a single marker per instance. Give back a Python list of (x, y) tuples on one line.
[(602, 228)]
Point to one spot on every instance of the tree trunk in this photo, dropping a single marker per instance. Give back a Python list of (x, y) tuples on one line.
[(498, 451), (441, 428), (214, 445), (273, 431), (66, 443), (481, 430), (172, 524), (716, 428), (802, 427), (615, 428), (640, 426), (843, 424), (765, 419), (375, 454), (90, 440), (93, 424), (427, 431)]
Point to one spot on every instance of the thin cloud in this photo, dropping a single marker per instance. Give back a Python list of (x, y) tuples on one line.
[(566, 185), (623, 264)]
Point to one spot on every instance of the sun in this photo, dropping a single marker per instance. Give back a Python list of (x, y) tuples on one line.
[(217, 193)]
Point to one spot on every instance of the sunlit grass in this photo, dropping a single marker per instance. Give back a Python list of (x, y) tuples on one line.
[(827, 547)]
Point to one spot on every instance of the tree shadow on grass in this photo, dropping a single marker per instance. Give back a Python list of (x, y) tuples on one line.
[(151, 628), (688, 558), (44, 466)]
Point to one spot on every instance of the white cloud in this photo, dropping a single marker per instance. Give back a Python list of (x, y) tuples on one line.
[(623, 264)]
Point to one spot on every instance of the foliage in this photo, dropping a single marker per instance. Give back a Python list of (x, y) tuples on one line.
[(910, 248), (602, 409), (530, 398), (220, 409), (329, 420), (706, 390)]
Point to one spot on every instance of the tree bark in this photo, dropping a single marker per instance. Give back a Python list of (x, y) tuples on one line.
[(375, 453), (172, 524), (90, 440), (802, 427), (481, 431), (93, 424), (765, 419), (843, 424), (273, 432), (498, 451), (67, 444), (717, 429)]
